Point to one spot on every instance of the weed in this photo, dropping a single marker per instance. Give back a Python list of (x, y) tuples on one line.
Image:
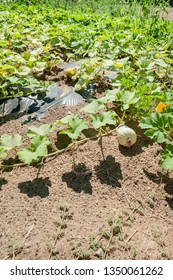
[(82, 254), (61, 225)]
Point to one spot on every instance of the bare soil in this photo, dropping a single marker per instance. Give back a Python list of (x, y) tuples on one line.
[(115, 204), (60, 212)]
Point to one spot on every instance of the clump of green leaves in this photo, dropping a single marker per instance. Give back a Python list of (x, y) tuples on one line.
[(37, 150), (159, 127), (75, 126), (98, 118)]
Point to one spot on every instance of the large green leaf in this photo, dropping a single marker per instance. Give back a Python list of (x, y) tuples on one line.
[(29, 155), (167, 163), (76, 125), (42, 130), (93, 107), (127, 98), (3, 154), (9, 142), (105, 118)]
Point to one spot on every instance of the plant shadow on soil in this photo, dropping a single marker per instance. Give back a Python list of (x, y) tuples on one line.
[(62, 141), (12, 116), (168, 184), (79, 179), (109, 172), (2, 182), (36, 187)]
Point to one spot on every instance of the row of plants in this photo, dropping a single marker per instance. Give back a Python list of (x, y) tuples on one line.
[(36, 38), (138, 49), (101, 115)]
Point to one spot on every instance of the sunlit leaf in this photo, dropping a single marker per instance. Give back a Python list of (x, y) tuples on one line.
[(41, 130), (9, 142)]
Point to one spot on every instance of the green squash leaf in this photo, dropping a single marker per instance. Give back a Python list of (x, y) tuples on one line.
[(3, 154), (43, 130), (167, 163), (93, 107), (9, 142), (76, 125), (99, 121)]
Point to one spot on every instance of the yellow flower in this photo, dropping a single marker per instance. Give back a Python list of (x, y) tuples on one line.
[(160, 107), (70, 72), (3, 72)]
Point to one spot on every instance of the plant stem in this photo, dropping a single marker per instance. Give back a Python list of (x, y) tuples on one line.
[(123, 116), (6, 166)]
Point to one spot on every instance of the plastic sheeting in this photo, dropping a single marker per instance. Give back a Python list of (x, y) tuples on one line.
[(71, 99), (53, 96), (43, 101)]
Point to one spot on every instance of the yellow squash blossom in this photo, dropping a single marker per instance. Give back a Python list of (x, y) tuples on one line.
[(160, 107), (70, 72)]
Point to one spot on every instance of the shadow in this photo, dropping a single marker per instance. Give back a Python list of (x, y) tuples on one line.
[(170, 202), (90, 132), (11, 116), (142, 141), (109, 172), (2, 182), (62, 141), (157, 178), (78, 179), (36, 187), (168, 183)]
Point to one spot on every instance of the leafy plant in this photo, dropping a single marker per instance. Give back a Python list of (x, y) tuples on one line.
[(3, 154), (159, 126), (133, 45), (76, 125), (167, 157), (43, 130), (10, 142), (101, 120), (87, 72), (94, 107), (37, 150)]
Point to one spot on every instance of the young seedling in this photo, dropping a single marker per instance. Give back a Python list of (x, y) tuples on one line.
[(61, 225), (82, 254)]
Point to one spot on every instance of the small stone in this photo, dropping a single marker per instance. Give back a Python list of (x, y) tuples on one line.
[(99, 252)]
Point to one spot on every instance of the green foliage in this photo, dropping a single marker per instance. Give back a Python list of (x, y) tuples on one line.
[(3, 154), (36, 151), (94, 107), (43, 130), (158, 126), (76, 125), (36, 37), (87, 72), (167, 157), (127, 98), (10, 142), (167, 163), (106, 118), (131, 40)]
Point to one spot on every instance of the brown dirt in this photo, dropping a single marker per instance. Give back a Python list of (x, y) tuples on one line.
[(170, 14), (126, 183)]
